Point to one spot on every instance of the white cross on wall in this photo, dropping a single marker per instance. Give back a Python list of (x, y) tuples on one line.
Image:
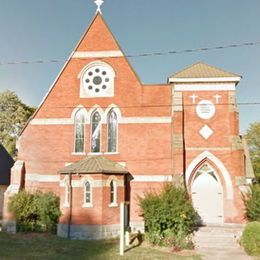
[(217, 97), (193, 97), (99, 3)]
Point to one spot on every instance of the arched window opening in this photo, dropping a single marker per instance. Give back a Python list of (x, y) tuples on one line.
[(79, 122), (112, 131), (88, 192), (112, 192), (206, 169), (95, 132)]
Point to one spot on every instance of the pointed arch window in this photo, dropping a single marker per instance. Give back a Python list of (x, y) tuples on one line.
[(95, 132), (113, 193), (87, 192), (79, 126), (112, 132)]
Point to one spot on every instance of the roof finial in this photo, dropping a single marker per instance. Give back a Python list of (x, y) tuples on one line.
[(99, 3)]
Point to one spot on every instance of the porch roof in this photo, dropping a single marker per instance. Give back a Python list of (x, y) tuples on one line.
[(94, 164)]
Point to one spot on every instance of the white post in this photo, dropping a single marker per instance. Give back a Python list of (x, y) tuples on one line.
[(122, 209), (127, 238)]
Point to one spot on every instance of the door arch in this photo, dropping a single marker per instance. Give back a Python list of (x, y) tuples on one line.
[(207, 195)]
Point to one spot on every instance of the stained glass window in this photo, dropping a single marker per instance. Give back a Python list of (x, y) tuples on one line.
[(95, 132), (79, 121), (112, 131)]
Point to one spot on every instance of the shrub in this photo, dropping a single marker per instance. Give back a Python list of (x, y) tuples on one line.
[(169, 217), (252, 203), (251, 238), (35, 211)]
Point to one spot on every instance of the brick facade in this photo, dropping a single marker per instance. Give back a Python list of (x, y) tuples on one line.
[(158, 137)]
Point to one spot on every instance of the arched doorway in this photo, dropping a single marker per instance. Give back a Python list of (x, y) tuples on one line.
[(207, 195)]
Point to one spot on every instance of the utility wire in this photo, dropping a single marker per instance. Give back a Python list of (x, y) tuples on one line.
[(3, 106), (171, 52)]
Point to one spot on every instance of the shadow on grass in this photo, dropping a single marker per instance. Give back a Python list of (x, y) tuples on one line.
[(138, 238)]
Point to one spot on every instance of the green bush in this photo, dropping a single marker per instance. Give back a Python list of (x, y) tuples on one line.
[(252, 203), (251, 238), (169, 217), (35, 211)]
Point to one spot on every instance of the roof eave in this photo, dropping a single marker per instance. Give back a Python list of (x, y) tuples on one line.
[(93, 172), (204, 80)]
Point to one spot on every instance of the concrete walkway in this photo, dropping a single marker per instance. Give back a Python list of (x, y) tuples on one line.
[(225, 254), (220, 242)]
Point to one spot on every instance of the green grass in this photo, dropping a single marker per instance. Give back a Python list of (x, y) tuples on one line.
[(42, 246)]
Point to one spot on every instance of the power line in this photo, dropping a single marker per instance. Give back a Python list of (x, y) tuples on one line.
[(171, 52), (2, 106)]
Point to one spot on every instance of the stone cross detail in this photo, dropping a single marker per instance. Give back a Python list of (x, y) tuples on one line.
[(217, 97), (99, 3), (193, 97)]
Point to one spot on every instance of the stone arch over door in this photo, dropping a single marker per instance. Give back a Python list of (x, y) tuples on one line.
[(219, 181)]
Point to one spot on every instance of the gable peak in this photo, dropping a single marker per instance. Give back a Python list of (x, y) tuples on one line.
[(98, 37)]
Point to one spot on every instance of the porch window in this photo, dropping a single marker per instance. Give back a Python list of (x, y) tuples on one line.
[(87, 192), (113, 193), (87, 195)]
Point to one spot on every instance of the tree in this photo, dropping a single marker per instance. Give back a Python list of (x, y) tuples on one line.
[(13, 117), (253, 140)]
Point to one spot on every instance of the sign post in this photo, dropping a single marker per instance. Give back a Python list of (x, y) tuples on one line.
[(122, 227)]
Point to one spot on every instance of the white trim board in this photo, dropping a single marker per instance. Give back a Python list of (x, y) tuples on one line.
[(152, 178), (51, 121), (42, 177), (97, 54), (123, 120), (205, 87), (95, 183), (223, 79)]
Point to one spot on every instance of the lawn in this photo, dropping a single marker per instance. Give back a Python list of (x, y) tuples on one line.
[(41, 246)]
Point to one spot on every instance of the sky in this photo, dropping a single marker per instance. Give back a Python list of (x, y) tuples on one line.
[(50, 29)]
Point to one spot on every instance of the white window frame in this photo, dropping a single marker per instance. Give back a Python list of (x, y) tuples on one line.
[(88, 204), (80, 110), (101, 123), (117, 130), (83, 92)]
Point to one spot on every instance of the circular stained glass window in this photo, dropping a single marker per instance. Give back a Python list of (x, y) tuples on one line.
[(97, 80)]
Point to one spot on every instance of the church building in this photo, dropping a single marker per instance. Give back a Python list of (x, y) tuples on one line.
[(101, 137)]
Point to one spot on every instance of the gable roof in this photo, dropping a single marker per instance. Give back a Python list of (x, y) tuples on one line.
[(94, 164), (202, 70), (6, 163), (86, 43)]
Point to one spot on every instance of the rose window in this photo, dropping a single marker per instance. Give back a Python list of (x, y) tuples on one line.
[(97, 81)]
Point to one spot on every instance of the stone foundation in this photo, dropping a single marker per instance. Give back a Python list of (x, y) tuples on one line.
[(89, 232), (9, 226)]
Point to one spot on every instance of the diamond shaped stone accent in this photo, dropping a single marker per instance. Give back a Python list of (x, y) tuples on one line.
[(206, 131)]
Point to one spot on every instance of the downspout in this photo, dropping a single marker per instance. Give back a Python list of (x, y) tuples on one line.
[(70, 208)]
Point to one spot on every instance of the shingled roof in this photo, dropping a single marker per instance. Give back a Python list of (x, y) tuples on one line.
[(6, 163), (203, 70), (94, 164)]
